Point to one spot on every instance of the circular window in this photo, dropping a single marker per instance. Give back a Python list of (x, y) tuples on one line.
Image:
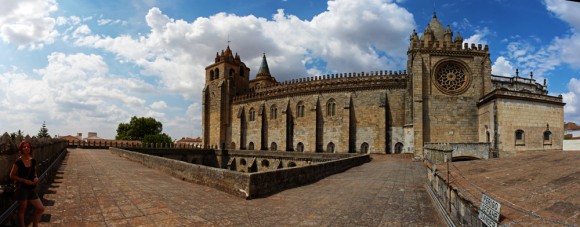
[(451, 78)]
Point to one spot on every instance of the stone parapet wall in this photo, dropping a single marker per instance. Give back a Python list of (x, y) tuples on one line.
[(234, 183), (461, 211), (269, 182), (435, 152), (248, 185)]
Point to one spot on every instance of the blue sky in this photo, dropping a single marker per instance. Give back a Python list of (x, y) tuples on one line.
[(86, 66)]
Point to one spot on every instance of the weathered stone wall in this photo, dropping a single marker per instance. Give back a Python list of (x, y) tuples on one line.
[(374, 117), (534, 118)]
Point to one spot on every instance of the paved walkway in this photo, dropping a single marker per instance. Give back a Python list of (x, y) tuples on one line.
[(97, 188)]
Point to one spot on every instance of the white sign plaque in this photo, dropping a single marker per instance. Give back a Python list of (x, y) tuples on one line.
[(489, 211)]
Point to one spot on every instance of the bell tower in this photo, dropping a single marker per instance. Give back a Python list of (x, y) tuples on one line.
[(227, 77), (446, 80)]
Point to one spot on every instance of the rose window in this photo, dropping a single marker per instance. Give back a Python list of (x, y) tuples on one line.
[(451, 78)]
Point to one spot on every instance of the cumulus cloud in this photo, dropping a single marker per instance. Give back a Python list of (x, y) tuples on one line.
[(348, 37), (27, 23), (159, 105), (77, 90), (502, 67), (74, 92), (567, 47)]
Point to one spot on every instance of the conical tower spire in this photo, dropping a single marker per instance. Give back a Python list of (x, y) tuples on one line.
[(264, 71)]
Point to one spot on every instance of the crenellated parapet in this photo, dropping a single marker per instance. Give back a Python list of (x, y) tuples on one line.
[(417, 45), (327, 83)]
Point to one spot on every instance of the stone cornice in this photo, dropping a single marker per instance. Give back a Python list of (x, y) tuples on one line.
[(515, 95)]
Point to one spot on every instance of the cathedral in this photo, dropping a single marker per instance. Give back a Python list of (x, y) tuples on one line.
[(447, 94)]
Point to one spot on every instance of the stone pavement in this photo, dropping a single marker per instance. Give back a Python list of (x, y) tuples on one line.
[(97, 188)]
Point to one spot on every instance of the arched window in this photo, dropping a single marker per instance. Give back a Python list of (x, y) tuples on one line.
[(398, 148), (547, 137), (251, 146), (300, 147), (232, 72), (331, 108), (233, 146), (217, 73), (520, 137), (252, 114), (300, 109), (273, 147), (273, 112), (364, 148), (241, 71), (330, 147), (211, 75)]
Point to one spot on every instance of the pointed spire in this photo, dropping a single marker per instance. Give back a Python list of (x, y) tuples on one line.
[(264, 71)]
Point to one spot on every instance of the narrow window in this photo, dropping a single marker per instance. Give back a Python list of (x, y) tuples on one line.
[(232, 72), (273, 147), (211, 75), (547, 137), (300, 109), (251, 146), (252, 114), (273, 112), (241, 71), (331, 108), (217, 73), (520, 137)]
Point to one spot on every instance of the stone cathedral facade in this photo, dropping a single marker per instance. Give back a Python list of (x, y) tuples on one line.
[(447, 94)]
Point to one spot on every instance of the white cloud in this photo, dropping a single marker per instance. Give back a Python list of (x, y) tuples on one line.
[(27, 23), (567, 48), (346, 37), (77, 90), (571, 98), (502, 67), (73, 93), (159, 105), (478, 37)]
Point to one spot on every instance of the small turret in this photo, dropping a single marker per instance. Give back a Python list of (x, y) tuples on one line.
[(448, 34), (458, 39)]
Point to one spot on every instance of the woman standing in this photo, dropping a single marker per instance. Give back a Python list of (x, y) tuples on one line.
[(24, 174)]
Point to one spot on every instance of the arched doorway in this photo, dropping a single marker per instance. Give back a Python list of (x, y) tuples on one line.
[(300, 147), (273, 147), (364, 148), (398, 148), (251, 146), (330, 147)]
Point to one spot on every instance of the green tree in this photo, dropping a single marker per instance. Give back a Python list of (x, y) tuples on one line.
[(43, 132), (160, 138), (138, 128)]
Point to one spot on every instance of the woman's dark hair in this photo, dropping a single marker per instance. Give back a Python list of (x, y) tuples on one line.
[(21, 146)]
